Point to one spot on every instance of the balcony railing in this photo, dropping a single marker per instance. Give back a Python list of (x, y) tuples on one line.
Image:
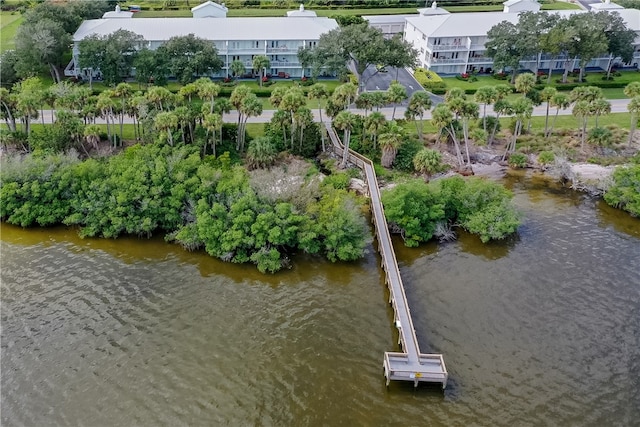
[(284, 64), (480, 59), (447, 60), (246, 49), (281, 49), (446, 47)]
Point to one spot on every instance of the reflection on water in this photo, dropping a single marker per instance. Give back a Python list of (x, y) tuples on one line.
[(542, 329)]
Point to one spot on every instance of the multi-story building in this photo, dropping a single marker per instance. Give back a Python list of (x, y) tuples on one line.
[(235, 38), (454, 43)]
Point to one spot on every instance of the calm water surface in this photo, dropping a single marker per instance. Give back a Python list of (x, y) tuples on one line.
[(543, 329)]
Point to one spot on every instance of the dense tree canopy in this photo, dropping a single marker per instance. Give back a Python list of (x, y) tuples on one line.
[(190, 56), (421, 211)]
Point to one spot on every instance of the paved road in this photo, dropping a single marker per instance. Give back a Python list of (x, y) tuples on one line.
[(381, 81), (617, 106)]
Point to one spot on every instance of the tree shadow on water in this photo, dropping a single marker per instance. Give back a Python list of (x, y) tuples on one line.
[(492, 250)]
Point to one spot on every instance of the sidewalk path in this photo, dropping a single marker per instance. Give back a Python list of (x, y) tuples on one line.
[(617, 106)]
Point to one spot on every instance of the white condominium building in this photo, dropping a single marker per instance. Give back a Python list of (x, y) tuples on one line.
[(235, 38), (454, 43)]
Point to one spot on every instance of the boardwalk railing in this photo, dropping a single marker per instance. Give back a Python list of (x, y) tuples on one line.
[(410, 365)]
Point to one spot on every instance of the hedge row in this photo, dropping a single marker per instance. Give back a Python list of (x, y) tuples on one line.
[(561, 87), (429, 79)]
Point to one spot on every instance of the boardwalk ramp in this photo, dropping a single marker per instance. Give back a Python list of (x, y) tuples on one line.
[(411, 364)]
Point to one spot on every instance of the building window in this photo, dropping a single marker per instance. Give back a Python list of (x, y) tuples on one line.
[(424, 37)]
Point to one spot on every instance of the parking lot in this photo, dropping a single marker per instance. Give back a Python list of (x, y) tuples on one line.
[(381, 81)]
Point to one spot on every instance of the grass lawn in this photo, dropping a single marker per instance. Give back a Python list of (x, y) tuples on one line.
[(246, 12), (592, 77), (9, 23)]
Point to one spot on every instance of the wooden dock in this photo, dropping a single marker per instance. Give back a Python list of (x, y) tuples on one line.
[(411, 365)]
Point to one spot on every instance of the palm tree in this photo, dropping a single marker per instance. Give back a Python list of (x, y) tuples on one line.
[(187, 91), (485, 95), (366, 101), (632, 89), (292, 101), (561, 102), (282, 119), (600, 107), (374, 124), (502, 107), (396, 94), (525, 83), (277, 94), (419, 103), (522, 108), (634, 109), (261, 153), (8, 103), (237, 98), (184, 120), (345, 121), (208, 90), (442, 118), (159, 96), (237, 68), (454, 92), (467, 111), (379, 99), (260, 64), (582, 110), (390, 141), (105, 104), (123, 91), (546, 95), (166, 122), (427, 162), (319, 92), (212, 123), (345, 94), (303, 118), (251, 107), (92, 135)]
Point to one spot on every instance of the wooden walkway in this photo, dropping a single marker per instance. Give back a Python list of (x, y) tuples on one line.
[(410, 365)]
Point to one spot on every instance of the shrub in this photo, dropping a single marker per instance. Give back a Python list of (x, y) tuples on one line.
[(546, 158), (601, 137), (427, 161), (479, 206), (337, 180), (406, 153), (261, 153), (625, 191), (518, 160), (429, 79)]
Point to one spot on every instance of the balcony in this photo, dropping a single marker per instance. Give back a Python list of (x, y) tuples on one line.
[(283, 49), (480, 59), (245, 50), (284, 64), (446, 47), (439, 61)]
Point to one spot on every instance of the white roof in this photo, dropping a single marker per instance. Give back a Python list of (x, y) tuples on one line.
[(512, 2), (301, 12), (605, 6), (387, 19), (117, 14), (209, 4), (479, 23), (161, 29)]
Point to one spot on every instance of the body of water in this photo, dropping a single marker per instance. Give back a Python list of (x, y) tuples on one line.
[(543, 329)]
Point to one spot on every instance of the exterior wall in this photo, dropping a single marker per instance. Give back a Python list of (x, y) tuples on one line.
[(456, 55), (283, 55)]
